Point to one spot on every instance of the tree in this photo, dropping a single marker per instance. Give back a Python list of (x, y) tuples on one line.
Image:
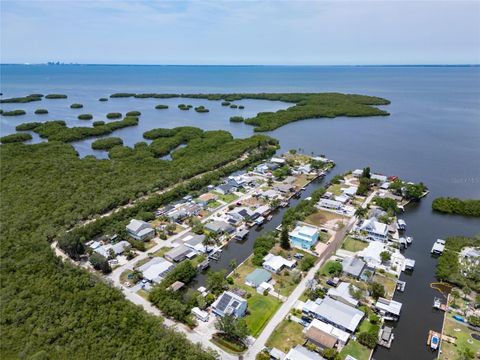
[(72, 244), (233, 265), (455, 296), (216, 281), (377, 290), (307, 262), (184, 272), (368, 339), (330, 354), (232, 328), (385, 256), (170, 228), (366, 173), (207, 241), (99, 262), (284, 240), (361, 212), (333, 267)]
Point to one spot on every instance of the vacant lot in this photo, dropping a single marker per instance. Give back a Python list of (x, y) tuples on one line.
[(356, 350), (321, 217), (261, 308), (463, 338), (286, 335), (353, 245), (388, 284)]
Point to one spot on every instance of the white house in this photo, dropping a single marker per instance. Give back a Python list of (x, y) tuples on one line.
[(156, 269), (371, 254), (140, 230), (329, 204), (230, 304), (276, 263), (342, 293), (389, 308), (375, 230)]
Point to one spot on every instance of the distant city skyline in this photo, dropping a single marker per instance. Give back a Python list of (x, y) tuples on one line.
[(241, 32)]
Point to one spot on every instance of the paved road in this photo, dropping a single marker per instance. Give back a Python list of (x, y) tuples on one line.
[(284, 310)]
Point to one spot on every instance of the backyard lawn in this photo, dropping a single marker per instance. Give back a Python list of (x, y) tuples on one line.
[(463, 339), (261, 308), (388, 283), (162, 251), (356, 350), (213, 204), (353, 245), (285, 282), (286, 335), (335, 189), (321, 217), (228, 198)]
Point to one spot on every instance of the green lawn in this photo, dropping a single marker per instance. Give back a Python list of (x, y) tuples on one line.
[(335, 189), (320, 217), (261, 308), (286, 335), (284, 283), (451, 351), (227, 345), (228, 198), (353, 245), (213, 204), (367, 326), (162, 251), (356, 350), (198, 259), (388, 284)]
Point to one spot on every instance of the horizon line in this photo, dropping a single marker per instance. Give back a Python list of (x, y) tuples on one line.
[(58, 63)]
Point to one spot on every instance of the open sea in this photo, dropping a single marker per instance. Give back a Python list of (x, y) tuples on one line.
[(432, 135)]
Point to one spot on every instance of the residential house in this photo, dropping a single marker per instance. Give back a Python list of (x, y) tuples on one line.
[(284, 188), (278, 160), (256, 277), (241, 234), (225, 189), (301, 353), (230, 304), (200, 314), (219, 227), (116, 249), (207, 198), (156, 269), (353, 266), (140, 230), (381, 178), (389, 308), (276, 263), (340, 335), (195, 242), (371, 254), (329, 204), (357, 173), (179, 253), (334, 312), (351, 191), (304, 236), (375, 230), (342, 293)]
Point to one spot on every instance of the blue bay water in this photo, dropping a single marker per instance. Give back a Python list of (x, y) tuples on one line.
[(432, 135)]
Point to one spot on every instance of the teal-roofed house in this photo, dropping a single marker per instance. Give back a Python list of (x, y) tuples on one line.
[(258, 276)]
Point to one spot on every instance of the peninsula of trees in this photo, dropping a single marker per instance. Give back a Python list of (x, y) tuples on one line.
[(448, 205), (306, 106)]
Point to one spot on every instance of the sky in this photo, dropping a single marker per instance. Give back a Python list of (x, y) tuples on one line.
[(233, 32)]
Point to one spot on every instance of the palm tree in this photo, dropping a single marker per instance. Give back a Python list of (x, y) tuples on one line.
[(207, 241), (233, 265)]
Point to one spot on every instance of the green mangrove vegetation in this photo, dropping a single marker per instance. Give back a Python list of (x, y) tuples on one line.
[(233, 106), (184, 107), (114, 115), (47, 188), (106, 143), (85, 117), (305, 106), (15, 138), (201, 109), (236, 119), (27, 126), (23, 99), (41, 111), (103, 99), (449, 205), (58, 131), (76, 106), (241, 107), (133, 113), (56, 96), (98, 123), (161, 107), (13, 112)]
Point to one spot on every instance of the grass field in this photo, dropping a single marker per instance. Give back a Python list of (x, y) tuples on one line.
[(452, 351), (389, 284), (353, 245), (286, 335), (261, 308), (213, 204), (335, 189), (320, 217), (228, 198), (356, 350), (228, 346), (162, 251)]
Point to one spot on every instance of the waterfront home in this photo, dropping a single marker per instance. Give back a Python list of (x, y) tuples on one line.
[(334, 312), (229, 303), (177, 285), (156, 269), (219, 227), (350, 191), (225, 189), (278, 160), (374, 229), (179, 253), (271, 194), (379, 177), (438, 247), (320, 338), (304, 236), (116, 249), (371, 254), (390, 309), (329, 204), (276, 263), (263, 210), (195, 242), (200, 314), (301, 353), (140, 230), (284, 188), (353, 266), (207, 197), (340, 336), (258, 276), (357, 173), (241, 234), (342, 293)]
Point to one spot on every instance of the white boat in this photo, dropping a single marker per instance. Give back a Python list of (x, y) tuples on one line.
[(437, 303), (409, 240), (438, 247), (435, 341), (401, 224)]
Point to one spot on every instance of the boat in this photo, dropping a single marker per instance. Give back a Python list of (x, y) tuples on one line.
[(433, 340), (269, 217), (437, 303), (401, 224), (409, 240), (401, 285), (438, 247), (214, 256)]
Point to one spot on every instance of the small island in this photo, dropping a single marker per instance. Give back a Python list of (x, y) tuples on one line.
[(56, 96), (161, 107), (23, 99), (241, 107), (76, 106), (27, 126), (225, 103), (103, 99), (133, 113), (236, 119), (184, 107), (233, 106), (15, 138), (456, 206), (13, 113), (85, 117), (106, 143), (114, 115), (201, 109), (41, 111)]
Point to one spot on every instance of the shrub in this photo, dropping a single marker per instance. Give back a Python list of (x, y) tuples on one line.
[(98, 123), (56, 96), (184, 107), (27, 126), (236, 119), (13, 113), (241, 107), (114, 115), (225, 103), (76, 106), (457, 206), (368, 339), (103, 99), (133, 113), (201, 109), (161, 107), (13, 138), (24, 99), (41, 111), (233, 106), (307, 262), (85, 117), (106, 143)]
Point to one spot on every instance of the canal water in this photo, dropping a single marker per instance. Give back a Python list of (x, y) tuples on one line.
[(432, 135)]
